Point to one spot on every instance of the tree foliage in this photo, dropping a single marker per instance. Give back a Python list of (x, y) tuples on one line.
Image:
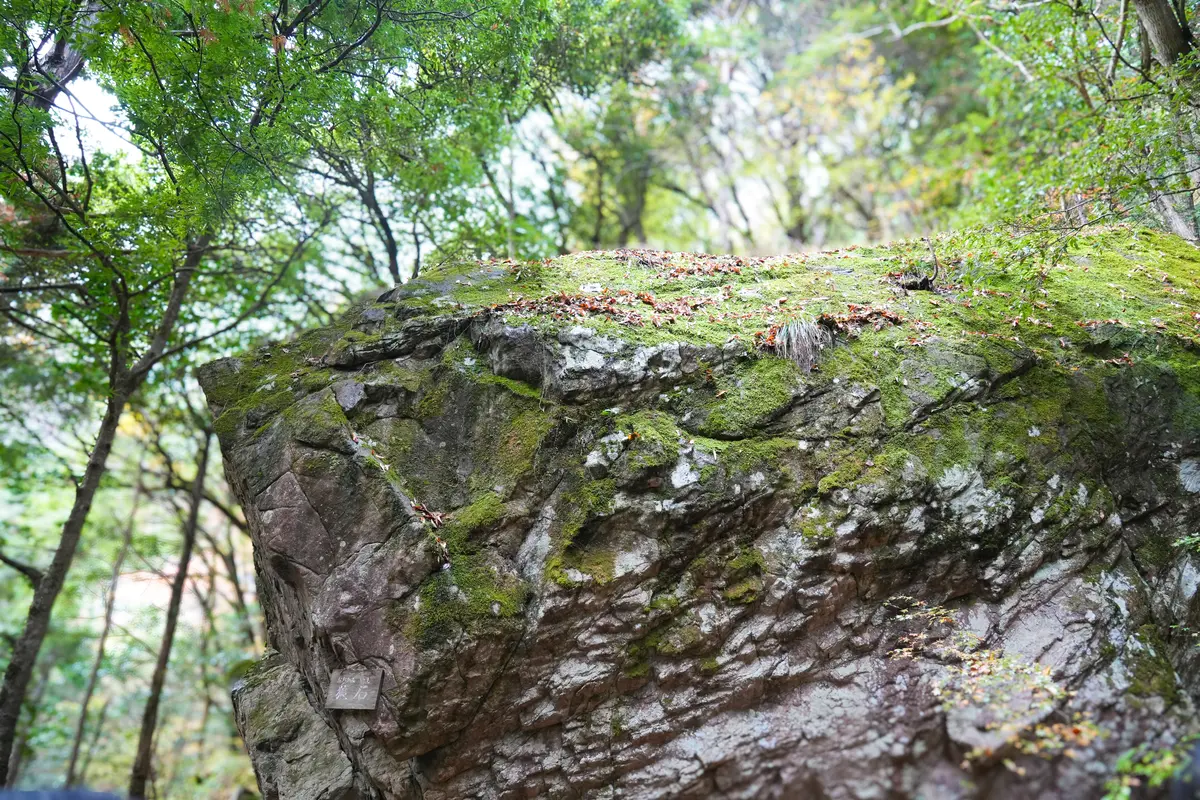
[(249, 138)]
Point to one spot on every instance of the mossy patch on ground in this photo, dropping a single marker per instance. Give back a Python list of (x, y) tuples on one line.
[(769, 291)]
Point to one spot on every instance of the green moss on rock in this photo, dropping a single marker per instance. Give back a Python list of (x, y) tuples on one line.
[(1152, 673), (487, 510), (750, 397), (745, 591), (470, 597), (588, 500), (653, 439)]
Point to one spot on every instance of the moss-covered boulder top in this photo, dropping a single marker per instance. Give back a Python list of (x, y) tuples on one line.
[(1120, 296), (645, 522)]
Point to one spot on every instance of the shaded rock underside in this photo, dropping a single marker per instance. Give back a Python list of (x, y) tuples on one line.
[(939, 563)]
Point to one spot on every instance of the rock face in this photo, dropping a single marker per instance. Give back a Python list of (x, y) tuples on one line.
[(940, 563)]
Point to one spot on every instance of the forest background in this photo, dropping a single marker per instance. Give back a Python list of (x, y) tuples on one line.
[(185, 179)]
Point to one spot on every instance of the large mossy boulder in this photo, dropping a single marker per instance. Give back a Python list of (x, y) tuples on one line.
[(604, 540)]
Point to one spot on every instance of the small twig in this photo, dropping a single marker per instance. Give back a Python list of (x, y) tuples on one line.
[(937, 265), (989, 44)]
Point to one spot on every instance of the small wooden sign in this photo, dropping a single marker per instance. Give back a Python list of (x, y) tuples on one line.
[(354, 689)]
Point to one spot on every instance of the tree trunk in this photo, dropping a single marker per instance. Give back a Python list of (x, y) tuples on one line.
[(598, 232), (109, 602), (511, 203), (141, 765), (37, 623), (508, 200), (382, 224), (99, 729), (41, 81), (1168, 38), (1176, 222), (228, 557), (210, 628), (123, 381), (416, 237), (18, 756), (1146, 62)]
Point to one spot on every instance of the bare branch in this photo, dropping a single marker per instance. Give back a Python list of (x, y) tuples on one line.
[(32, 574), (40, 287)]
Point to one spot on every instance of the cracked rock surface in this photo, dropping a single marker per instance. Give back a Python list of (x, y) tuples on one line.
[(941, 564)]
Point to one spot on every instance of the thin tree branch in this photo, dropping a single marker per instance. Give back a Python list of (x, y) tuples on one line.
[(31, 574)]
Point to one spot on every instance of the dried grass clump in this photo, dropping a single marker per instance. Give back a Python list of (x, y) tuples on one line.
[(802, 342)]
